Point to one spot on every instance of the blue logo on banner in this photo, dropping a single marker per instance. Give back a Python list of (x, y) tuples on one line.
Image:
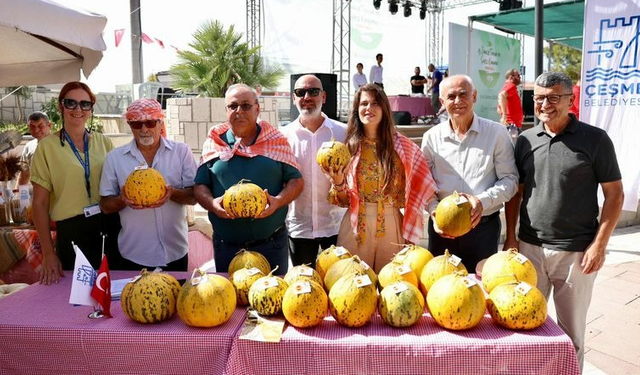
[(609, 45), (86, 275)]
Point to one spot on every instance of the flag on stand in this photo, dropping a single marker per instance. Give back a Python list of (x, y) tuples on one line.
[(101, 291), (83, 278), (161, 43), (119, 34)]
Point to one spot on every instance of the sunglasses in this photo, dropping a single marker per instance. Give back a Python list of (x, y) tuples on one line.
[(300, 93), (245, 106), (85, 105), (150, 124), (552, 98)]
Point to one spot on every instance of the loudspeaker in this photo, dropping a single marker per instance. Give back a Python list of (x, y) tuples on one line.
[(510, 4), (329, 83), (402, 117)]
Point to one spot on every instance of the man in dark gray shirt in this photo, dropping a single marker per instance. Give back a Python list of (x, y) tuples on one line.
[(561, 163)]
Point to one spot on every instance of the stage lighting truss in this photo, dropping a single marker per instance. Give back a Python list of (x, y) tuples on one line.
[(393, 6), (406, 6), (376, 4)]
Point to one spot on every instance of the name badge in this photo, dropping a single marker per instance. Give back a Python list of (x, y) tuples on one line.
[(89, 211)]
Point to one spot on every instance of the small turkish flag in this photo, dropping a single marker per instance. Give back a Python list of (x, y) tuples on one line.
[(161, 43), (146, 38), (101, 291), (118, 34)]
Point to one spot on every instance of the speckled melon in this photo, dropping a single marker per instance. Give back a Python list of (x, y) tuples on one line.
[(266, 294), (456, 301), (207, 300), (305, 304), (244, 258), (244, 200), (353, 300), (333, 154), (400, 304), (346, 266), (437, 267), (507, 266), (242, 280), (145, 187), (395, 271), (150, 297), (453, 215), (302, 272), (415, 257), (517, 305), (328, 257)]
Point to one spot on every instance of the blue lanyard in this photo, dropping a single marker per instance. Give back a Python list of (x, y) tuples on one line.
[(85, 163)]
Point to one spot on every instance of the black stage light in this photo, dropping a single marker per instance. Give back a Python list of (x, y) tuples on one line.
[(393, 7), (423, 13), (407, 9), (376, 4)]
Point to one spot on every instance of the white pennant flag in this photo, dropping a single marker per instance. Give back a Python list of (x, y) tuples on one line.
[(83, 278)]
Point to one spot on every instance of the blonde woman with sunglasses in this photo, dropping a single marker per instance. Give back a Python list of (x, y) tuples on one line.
[(65, 174)]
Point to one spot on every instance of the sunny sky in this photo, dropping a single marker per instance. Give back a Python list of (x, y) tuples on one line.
[(297, 34)]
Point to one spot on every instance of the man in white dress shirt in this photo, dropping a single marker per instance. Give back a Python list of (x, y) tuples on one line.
[(375, 74), (473, 156), (359, 79), (313, 223)]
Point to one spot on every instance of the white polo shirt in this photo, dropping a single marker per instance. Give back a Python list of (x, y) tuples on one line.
[(311, 215), (151, 236)]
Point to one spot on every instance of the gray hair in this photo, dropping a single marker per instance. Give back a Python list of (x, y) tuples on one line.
[(38, 115), (242, 86), (550, 79)]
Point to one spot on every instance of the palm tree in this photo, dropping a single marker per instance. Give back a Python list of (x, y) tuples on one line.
[(219, 59)]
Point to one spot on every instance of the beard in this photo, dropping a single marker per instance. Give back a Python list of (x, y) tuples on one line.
[(309, 111), (146, 141)]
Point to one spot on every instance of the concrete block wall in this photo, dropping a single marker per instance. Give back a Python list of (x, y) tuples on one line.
[(189, 119)]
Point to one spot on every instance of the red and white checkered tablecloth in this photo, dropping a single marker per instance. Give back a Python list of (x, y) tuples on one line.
[(41, 333), (424, 348)]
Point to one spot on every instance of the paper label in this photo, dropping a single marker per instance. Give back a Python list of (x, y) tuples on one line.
[(404, 250), (269, 283), (398, 288), (339, 251), (364, 265), (469, 281), (454, 260), (136, 278), (141, 167), (327, 145), (523, 288), (196, 280), (521, 258), (362, 281), (253, 271), (306, 271), (260, 328), (461, 200), (403, 269), (302, 287)]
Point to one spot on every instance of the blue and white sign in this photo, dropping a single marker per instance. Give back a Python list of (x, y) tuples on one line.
[(610, 97)]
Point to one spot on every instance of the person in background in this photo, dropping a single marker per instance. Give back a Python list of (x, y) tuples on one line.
[(375, 74), (39, 128), (509, 103), (473, 156), (387, 173), (434, 89), (65, 174), (417, 83), (562, 162), (312, 222), (359, 79), (575, 106), (240, 149), (153, 236)]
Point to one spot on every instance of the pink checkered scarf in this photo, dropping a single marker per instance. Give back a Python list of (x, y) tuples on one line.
[(419, 190), (270, 143)]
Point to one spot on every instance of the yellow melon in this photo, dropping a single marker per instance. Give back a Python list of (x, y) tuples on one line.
[(328, 257), (456, 302), (507, 266), (333, 154), (353, 300), (266, 294), (150, 297), (396, 271), (346, 266), (207, 300), (242, 280), (247, 258), (305, 304), (517, 305), (437, 267), (400, 304), (145, 187), (415, 257), (302, 272), (453, 215), (244, 200)]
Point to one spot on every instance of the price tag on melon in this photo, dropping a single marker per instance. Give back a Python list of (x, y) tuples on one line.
[(302, 287), (398, 288), (253, 271), (469, 281), (135, 278), (141, 167), (461, 200), (454, 260), (328, 144), (364, 265), (340, 251), (306, 271), (403, 269), (523, 288), (269, 283), (404, 250), (208, 265), (521, 258), (196, 280), (362, 281)]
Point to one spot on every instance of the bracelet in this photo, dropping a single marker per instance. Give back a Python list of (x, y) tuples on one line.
[(340, 187)]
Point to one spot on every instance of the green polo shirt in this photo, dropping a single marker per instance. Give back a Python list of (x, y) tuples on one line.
[(219, 175)]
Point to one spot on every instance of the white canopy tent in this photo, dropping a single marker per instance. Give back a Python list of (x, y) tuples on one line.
[(43, 42)]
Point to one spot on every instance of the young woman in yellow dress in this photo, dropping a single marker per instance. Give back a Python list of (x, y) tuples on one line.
[(387, 173)]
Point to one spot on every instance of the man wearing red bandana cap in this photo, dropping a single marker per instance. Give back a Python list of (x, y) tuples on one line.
[(154, 236), (244, 148)]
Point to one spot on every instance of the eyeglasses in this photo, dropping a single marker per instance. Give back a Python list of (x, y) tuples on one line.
[(150, 124), (552, 98), (85, 105), (300, 93), (245, 106)]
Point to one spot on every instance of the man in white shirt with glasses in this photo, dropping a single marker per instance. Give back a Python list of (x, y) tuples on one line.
[(313, 223)]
